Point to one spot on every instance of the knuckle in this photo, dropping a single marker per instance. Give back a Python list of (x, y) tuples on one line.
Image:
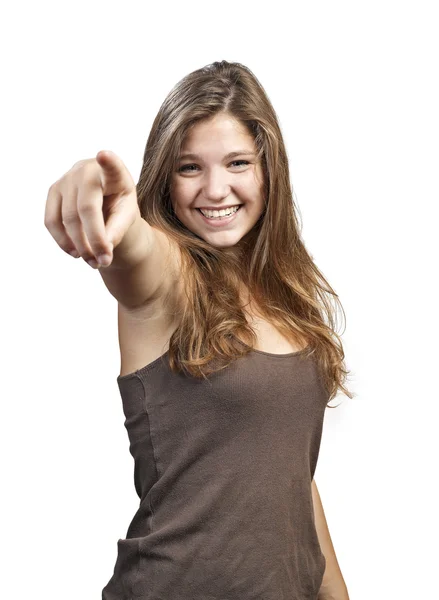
[(83, 172), (53, 188), (87, 208), (49, 223), (88, 169), (78, 164), (70, 217)]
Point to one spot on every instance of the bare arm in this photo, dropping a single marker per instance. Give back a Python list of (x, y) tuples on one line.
[(141, 265), (333, 585)]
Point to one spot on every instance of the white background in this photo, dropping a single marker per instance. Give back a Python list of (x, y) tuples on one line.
[(355, 88)]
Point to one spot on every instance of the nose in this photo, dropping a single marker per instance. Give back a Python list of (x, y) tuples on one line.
[(215, 186)]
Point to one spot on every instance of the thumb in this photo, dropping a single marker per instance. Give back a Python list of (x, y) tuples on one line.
[(115, 177), (120, 219)]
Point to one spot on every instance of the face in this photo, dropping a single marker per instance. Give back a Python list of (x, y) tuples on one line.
[(212, 178)]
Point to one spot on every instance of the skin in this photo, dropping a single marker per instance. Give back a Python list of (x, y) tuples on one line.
[(214, 181)]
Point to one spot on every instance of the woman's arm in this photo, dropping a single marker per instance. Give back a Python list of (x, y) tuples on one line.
[(333, 585)]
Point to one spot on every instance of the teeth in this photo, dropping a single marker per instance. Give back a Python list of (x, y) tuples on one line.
[(219, 213)]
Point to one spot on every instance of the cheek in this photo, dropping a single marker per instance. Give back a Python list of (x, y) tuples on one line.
[(249, 192), (178, 197), (183, 194)]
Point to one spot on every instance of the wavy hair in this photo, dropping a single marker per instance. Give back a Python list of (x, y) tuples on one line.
[(271, 261)]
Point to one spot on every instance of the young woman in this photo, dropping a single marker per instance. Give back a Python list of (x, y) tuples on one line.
[(228, 350)]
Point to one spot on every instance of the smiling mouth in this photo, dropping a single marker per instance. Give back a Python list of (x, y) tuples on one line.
[(220, 217)]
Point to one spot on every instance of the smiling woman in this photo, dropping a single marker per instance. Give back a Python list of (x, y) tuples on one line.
[(228, 367), (216, 184)]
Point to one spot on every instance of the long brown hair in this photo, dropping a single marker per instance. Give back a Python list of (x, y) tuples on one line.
[(271, 261)]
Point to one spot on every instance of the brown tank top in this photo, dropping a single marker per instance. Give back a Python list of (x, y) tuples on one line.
[(223, 469)]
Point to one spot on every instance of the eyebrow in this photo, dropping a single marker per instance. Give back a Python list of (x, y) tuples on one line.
[(227, 156)]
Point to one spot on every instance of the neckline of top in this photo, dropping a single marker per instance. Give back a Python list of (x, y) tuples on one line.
[(277, 355), (152, 364)]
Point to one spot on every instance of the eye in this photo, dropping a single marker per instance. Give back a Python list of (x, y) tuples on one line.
[(240, 161), (186, 168)]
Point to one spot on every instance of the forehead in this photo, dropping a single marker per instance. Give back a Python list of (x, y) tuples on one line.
[(220, 130)]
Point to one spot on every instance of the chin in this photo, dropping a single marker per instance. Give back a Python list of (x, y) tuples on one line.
[(221, 241)]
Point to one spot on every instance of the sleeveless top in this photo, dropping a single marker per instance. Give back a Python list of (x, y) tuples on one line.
[(223, 469)]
